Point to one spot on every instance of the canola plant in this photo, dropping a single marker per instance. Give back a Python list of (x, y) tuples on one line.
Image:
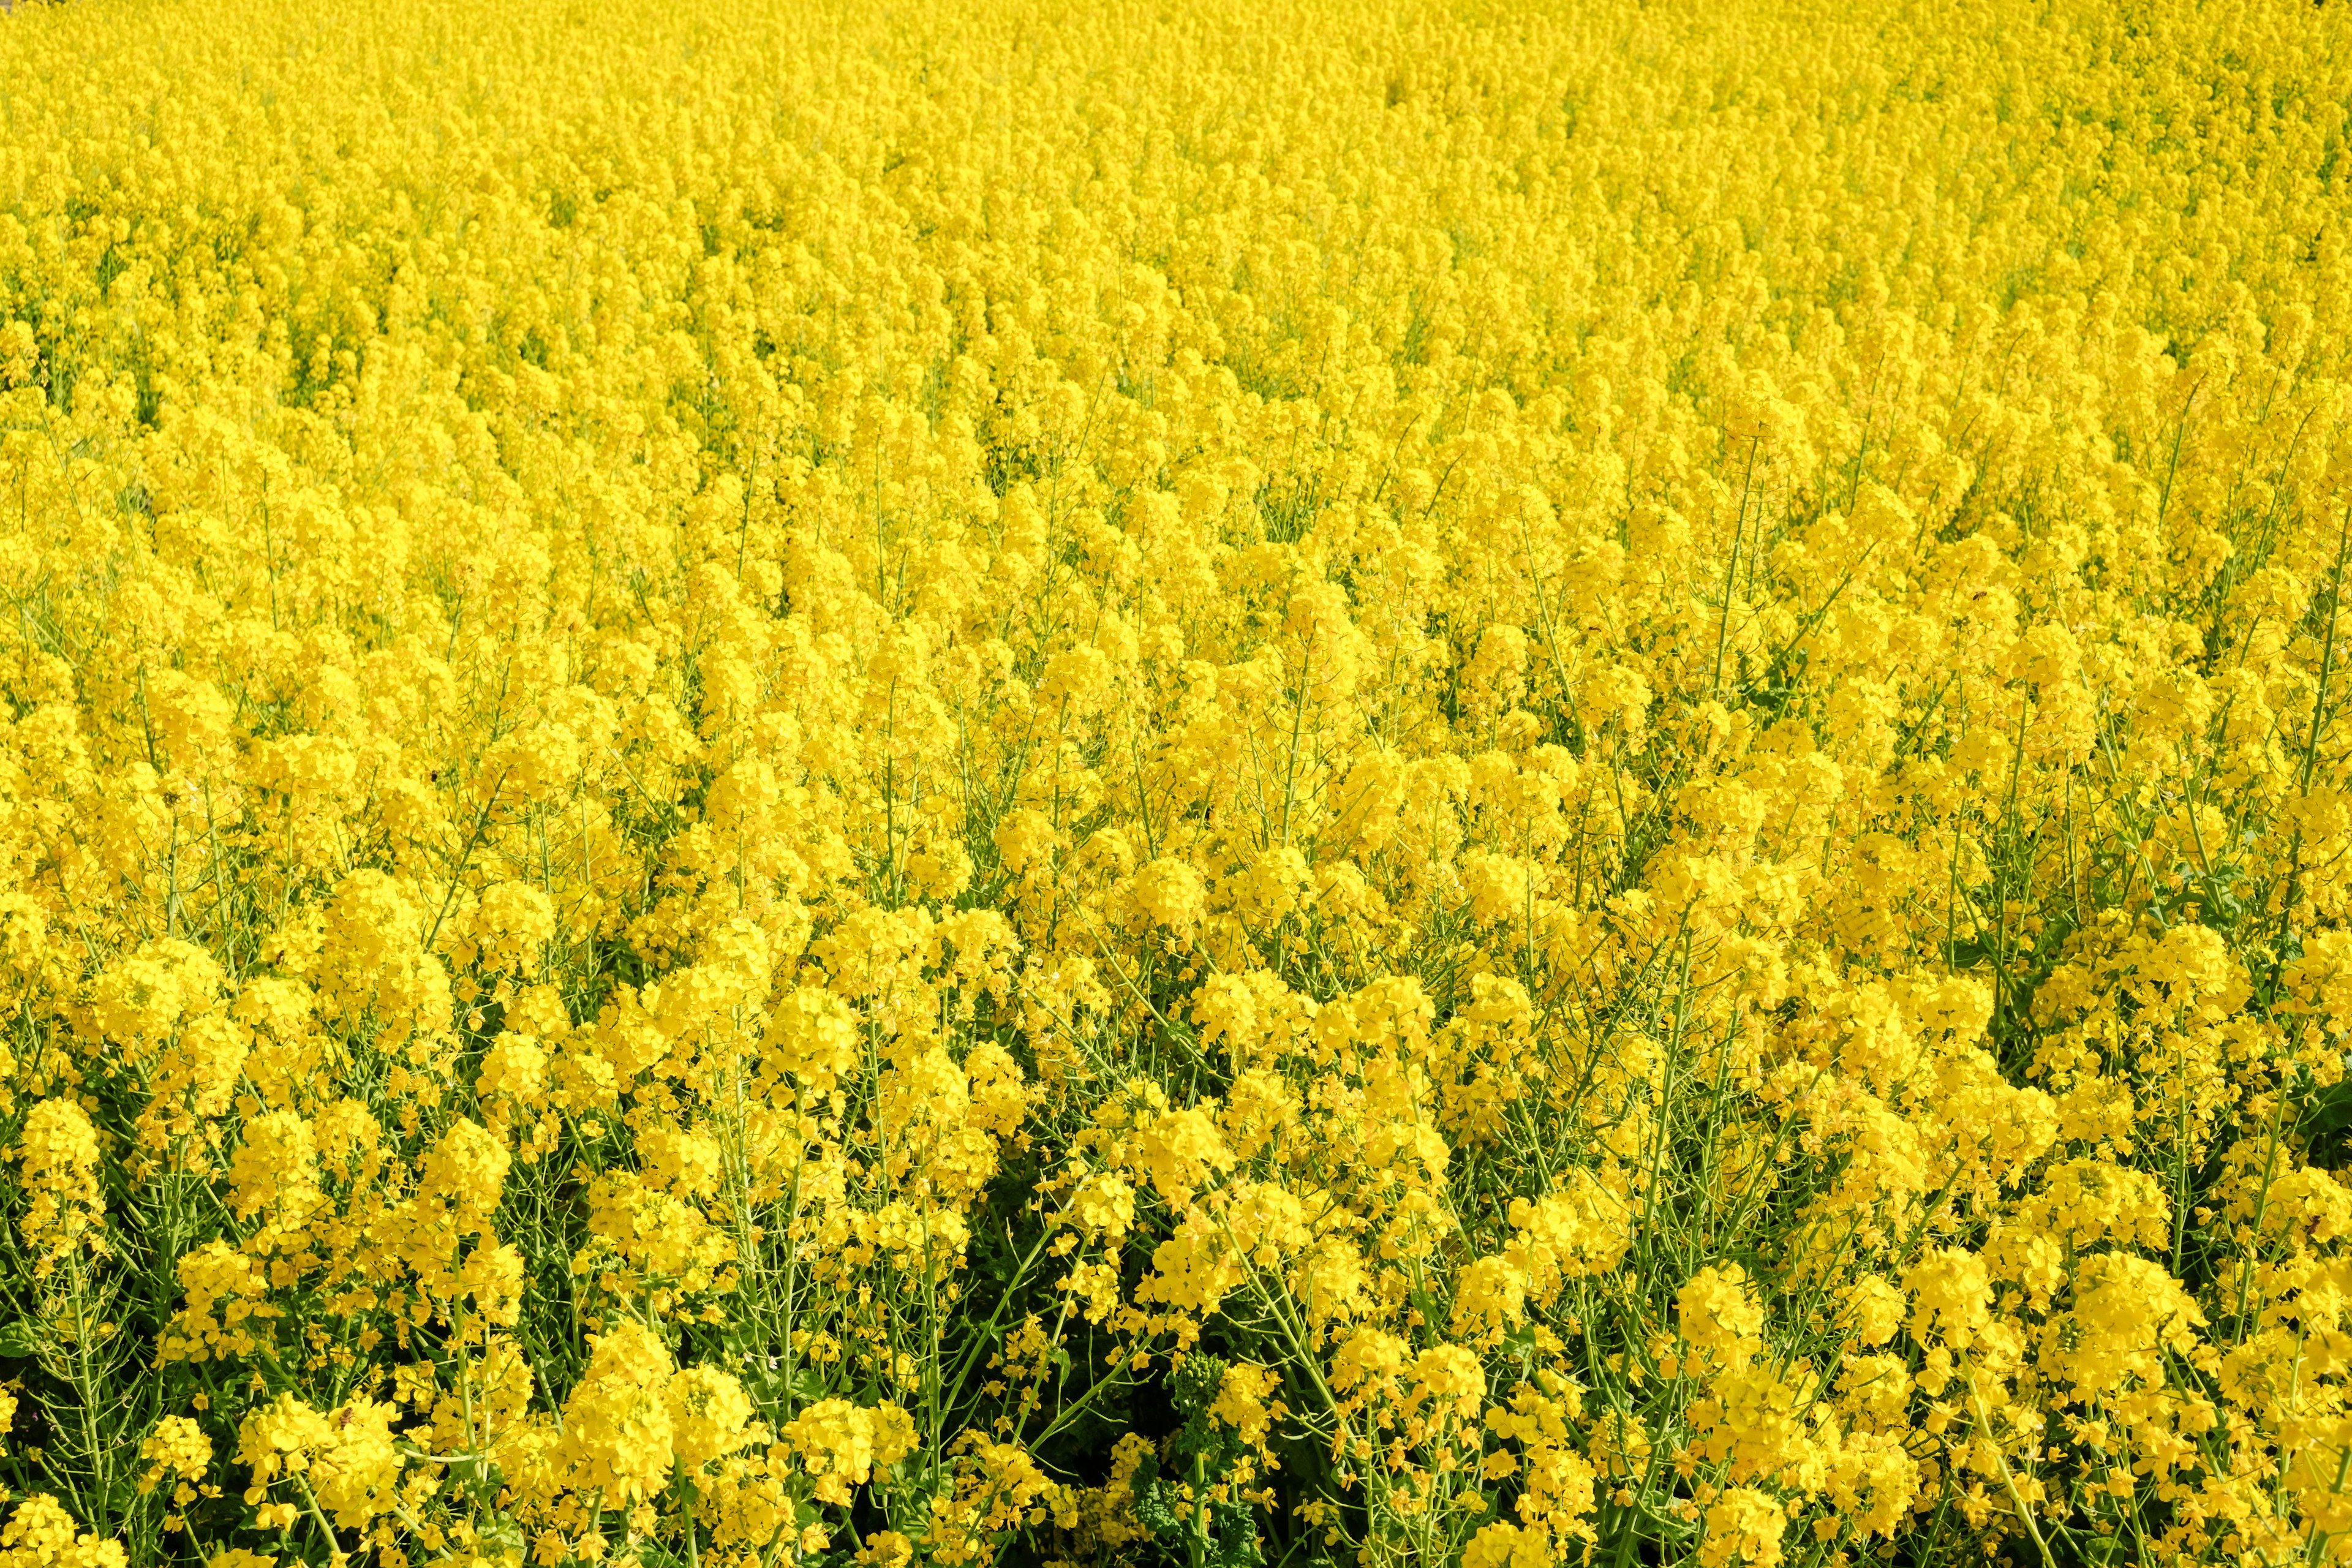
[(1264, 782)]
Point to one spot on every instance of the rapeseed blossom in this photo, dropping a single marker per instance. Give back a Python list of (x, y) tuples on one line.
[(984, 783)]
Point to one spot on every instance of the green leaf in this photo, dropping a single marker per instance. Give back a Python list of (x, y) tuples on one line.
[(2327, 1113)]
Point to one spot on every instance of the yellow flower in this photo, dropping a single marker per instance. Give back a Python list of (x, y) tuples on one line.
[(343, 1459), (710, 1415), (176, 1449), (1743, 1525), (1719, 1314), (57, 1159), (841, 1443), (41, 1534), (618, 1431)]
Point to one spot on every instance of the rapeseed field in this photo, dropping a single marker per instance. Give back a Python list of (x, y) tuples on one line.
[(1254, 782)]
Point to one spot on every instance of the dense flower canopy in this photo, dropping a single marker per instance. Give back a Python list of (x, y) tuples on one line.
[(1113, 784)]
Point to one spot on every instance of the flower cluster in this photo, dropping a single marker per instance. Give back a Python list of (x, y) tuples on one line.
[(1237, 783)]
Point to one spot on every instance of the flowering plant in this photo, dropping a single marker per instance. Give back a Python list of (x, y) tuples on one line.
[(1131, 785)]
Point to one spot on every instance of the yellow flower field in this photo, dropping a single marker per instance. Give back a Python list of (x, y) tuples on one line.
[(1252, 782)]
